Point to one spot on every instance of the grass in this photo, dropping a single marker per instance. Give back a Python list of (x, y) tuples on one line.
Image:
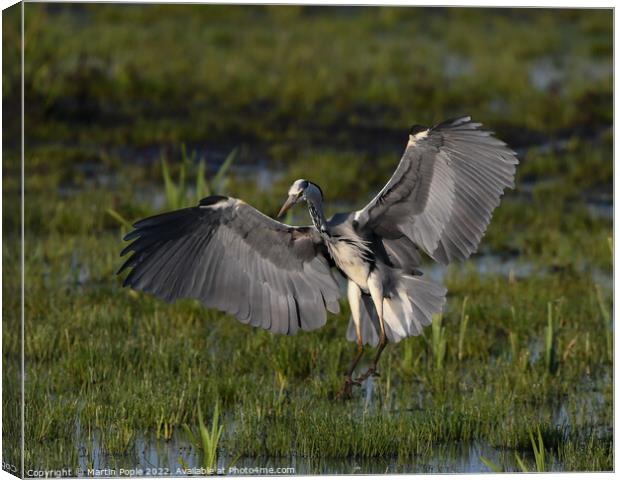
[(231, 84), (119, 354), (207, 440), (462, 329), (538, 449), (550, 341), (607, 321), (127, 366), (438, 342), (113, 372), (178, 194)]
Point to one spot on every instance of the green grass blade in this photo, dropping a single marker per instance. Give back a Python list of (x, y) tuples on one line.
[(605, 313), (550, 361), (183, 152), (520, 463), (438, 341), (214, 421), (182, 462), (494, 467), (539, 451), (209, 438), (119, 218), (607, 322), (192, 438), (233, 461), (182, 188), (463, 329), (220, 177), (169, 186), (202, 189)]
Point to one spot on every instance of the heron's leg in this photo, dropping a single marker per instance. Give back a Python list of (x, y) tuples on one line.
[(376, 292), (372, 370), (355, 298), (382, 344), (347, 388), (354, 294), (356, 358)]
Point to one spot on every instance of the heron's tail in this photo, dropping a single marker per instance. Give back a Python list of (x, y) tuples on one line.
[(412, 308), (406, 312)]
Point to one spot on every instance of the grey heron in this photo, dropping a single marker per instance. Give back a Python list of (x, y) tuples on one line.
[(279, 277)]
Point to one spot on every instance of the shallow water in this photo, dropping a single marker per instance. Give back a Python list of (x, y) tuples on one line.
[(179, 458), (548, 74)]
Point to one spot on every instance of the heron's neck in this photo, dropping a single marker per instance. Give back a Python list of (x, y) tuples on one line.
[(316, 213)]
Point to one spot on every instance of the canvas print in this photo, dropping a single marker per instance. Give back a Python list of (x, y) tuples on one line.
[(304, 240)]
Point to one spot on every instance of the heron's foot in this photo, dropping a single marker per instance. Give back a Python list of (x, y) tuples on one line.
[(347, 389), (371, 372)]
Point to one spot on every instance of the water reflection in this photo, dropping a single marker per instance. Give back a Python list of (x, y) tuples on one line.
[(178, 457)]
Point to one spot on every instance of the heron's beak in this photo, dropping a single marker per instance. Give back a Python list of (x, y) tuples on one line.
[(290, 201)]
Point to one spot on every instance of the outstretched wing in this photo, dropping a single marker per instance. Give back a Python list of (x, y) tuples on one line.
[(231, 257), (444, 190)]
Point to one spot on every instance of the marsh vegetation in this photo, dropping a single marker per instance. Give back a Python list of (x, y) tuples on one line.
[(120, 98)]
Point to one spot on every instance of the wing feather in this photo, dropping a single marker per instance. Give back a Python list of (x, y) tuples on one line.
[(444, 190), (231, 257)]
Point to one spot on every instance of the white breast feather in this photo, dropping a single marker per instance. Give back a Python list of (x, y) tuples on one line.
[(349, 256)]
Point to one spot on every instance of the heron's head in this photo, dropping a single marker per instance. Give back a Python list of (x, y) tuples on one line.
[(301, 190)]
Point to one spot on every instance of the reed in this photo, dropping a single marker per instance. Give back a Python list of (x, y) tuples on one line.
[(463, 329), (550, 341), (438, 342), (207, 440), (178, 193), (607, 322)]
